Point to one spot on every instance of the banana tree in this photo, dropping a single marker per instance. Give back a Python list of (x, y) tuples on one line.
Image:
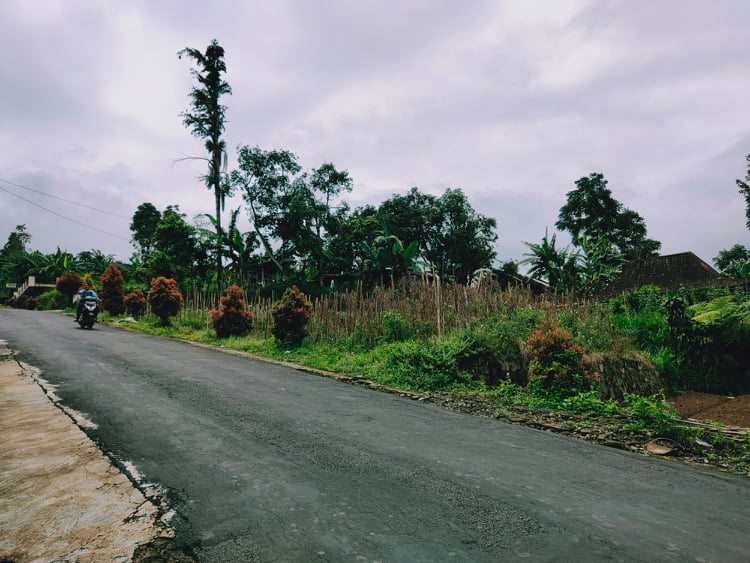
[(51, 266), (238, 247), (389, 254)]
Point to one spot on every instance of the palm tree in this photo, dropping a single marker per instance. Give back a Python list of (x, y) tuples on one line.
[(206, 121), (556, 266)]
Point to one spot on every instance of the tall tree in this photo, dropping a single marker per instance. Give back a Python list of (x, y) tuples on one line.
[(467, 237), (14, 258), (176, 249), (451, 235), (205, 119), (326, 184), (143, 226), (744, 188), (733, 261), (590, 210), (266, 179)]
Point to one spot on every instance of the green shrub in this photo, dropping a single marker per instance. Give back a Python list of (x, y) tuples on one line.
[(667, 365), (52, 299), (491, 353), (646, 298), (647, 329), (395, 327), (291, 315), (650, 412), (164, 298), (424, 366), (556, 364), (232, 318), (588, 402), (520, 321), (592, 328)]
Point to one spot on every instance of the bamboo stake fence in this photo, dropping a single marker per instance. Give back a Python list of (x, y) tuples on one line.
[(426, 301)]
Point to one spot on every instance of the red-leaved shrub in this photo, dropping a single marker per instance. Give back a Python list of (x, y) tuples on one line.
[(135, 303), (68, 284), (164, 298), (291, 314), (112, 293), (232, 317), (556, 361)]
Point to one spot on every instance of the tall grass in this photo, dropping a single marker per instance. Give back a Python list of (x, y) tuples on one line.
[(431, 308)]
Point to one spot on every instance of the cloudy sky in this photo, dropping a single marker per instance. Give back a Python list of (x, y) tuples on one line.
[(510, 101)]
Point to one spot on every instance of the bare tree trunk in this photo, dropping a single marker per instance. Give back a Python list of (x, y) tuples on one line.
[(219, 263)]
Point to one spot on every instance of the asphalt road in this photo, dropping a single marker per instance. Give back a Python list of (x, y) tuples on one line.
[(266, 463)]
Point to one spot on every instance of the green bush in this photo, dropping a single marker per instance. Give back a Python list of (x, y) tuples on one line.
[(491, 353), (52, 299), (290, 315), (424, 366), (396, 328), (592, 327), (667, 364), (588, 402), (650, 412)]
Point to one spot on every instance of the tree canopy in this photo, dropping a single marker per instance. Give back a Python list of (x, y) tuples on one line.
[(591, 211), (744, 189), (143, 226)]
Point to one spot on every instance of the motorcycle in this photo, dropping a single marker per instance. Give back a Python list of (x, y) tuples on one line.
[(89, 311)]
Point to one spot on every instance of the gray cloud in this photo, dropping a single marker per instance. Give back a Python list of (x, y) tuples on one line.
[(510, 101)]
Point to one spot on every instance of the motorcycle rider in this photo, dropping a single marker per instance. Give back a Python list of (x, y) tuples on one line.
[(85, 293)]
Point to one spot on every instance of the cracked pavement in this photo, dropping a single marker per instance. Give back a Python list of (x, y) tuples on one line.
[(262, 462)]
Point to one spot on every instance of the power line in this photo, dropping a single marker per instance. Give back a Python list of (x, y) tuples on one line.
[(63, 216), (63, 199)]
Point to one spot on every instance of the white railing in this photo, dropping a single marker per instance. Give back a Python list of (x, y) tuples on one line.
[(31, 282)]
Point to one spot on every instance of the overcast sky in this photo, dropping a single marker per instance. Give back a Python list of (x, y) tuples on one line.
[(510, 101)]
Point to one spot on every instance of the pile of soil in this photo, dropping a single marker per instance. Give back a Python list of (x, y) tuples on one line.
[(732, 411)]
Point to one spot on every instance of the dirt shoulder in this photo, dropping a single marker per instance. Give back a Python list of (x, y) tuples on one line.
[(732, 411), (61, 498)]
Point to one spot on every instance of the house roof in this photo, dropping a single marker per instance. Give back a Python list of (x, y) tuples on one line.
[(671, 271), (506, 279)]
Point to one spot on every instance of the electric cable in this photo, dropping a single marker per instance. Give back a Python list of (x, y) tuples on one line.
[(63, 199), (63, 216)]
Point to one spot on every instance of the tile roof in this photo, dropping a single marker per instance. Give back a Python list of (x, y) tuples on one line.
[(668, 272)]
